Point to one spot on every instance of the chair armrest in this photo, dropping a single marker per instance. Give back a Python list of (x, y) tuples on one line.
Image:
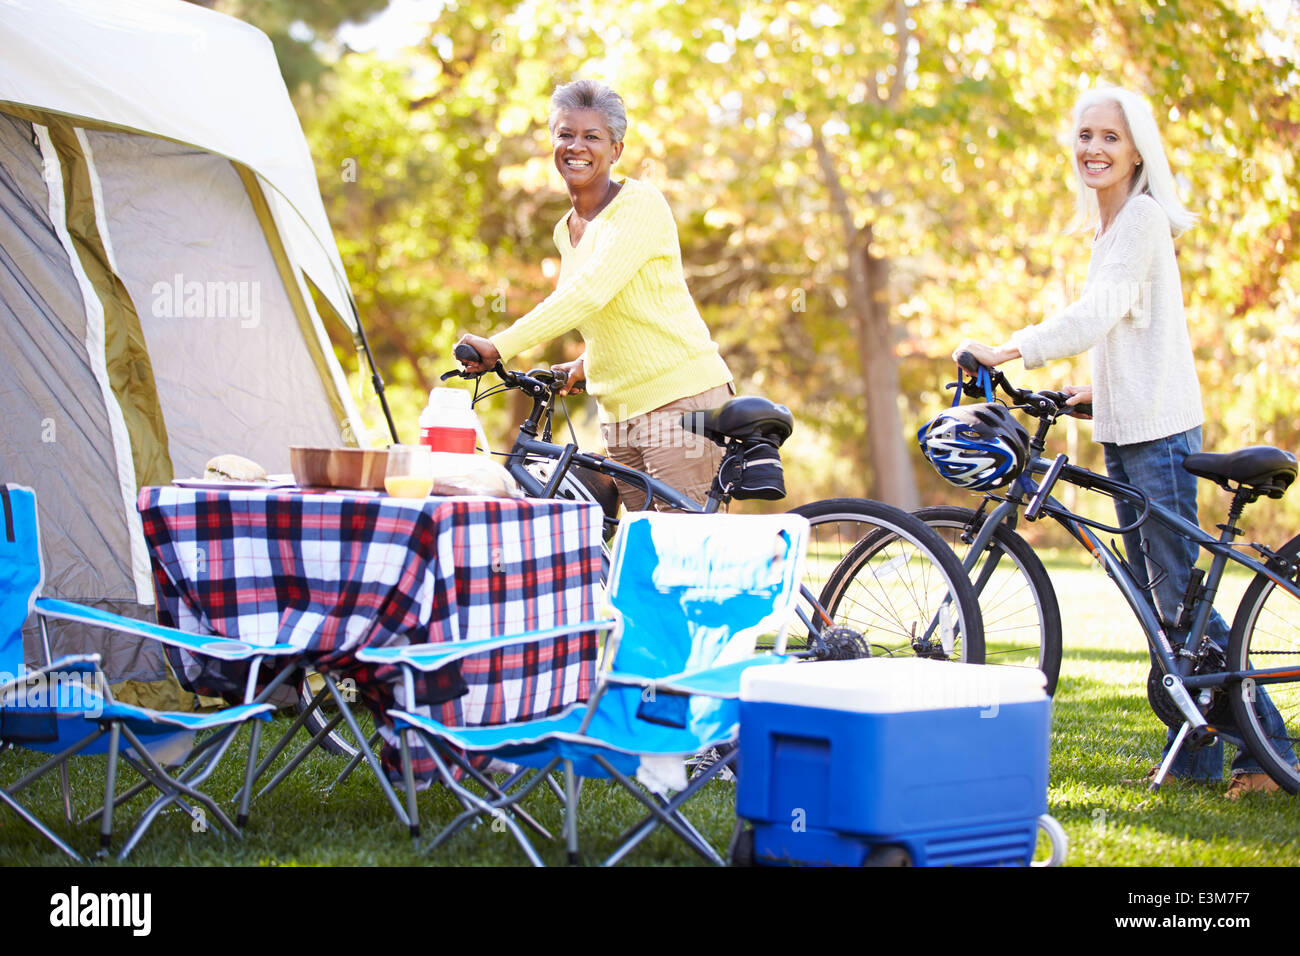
[(430, 657), (209, 645), (74, 663), (722, 681)]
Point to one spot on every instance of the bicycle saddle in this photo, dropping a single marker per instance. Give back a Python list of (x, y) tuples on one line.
[(1267, 470), (745, 417)]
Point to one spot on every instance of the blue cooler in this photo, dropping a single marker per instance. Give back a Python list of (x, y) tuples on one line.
[(946, 760)]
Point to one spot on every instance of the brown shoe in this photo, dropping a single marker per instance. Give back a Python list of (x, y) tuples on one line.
[(1247, 782)]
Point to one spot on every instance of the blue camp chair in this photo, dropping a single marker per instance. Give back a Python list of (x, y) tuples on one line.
[(65, 708), (691, 595)]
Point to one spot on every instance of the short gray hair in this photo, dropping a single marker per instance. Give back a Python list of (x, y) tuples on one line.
[(590, 95)]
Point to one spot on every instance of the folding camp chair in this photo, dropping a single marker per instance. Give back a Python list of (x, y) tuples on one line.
[(65, 708), (691, 595)]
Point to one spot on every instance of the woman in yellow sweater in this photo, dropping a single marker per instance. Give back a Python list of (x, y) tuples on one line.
[(649, 356)]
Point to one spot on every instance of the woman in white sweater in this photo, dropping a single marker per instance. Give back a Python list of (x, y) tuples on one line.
[(1146, 399)]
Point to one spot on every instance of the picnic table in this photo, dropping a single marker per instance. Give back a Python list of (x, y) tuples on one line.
[(332, 572)]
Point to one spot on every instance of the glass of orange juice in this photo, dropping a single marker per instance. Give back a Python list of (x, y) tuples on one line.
[(409, 473)]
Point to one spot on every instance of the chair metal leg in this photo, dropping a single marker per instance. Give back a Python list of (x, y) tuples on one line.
[(366, 752), (667, 816), (287, 736), (570, 813), (110, 788), (473, 809), (299, 757), (556, 789), (40, 827), (67, 793), (143, 785), (55, 761), (501, 796), (477, 806), (408, 778), (629, 838), (353, 763), (171, 788), (246, 792)]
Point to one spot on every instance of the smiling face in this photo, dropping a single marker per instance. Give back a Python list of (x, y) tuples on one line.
[(1104, 151), (584, 149)]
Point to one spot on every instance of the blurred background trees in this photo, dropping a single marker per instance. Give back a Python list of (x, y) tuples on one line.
[(858, 185)]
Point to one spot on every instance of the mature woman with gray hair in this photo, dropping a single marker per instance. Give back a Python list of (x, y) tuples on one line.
[(649, 356), (1145, 394)]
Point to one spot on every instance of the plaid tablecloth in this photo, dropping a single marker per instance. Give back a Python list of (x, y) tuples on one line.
[(331, 573)]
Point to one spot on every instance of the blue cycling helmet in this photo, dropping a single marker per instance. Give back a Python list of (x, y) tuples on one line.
[(980, 447)]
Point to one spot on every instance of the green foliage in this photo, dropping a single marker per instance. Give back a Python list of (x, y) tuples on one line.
[(946, 127), (294, 27)]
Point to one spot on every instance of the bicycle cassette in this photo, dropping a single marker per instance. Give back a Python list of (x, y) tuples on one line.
[(841, 644)]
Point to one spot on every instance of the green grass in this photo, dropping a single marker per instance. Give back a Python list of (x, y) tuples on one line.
[(301, 824), (1103, 732)]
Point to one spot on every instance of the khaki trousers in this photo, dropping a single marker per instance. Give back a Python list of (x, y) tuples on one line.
[(657, 444)]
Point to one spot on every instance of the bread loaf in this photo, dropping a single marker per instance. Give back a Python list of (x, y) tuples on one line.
[(233, 468)]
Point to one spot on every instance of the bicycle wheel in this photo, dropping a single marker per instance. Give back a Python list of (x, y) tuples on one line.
[(1266, 633), (1022, 619), (904, 589), (339, 740)]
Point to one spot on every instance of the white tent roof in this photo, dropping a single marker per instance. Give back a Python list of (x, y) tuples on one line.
[(185, 73)]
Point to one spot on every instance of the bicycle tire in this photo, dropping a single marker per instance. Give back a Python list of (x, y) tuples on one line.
[(1018, 604), (897, 586), (1266, 633), (339, 740)]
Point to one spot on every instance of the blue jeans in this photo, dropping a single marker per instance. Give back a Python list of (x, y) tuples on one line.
[(1156, 467)]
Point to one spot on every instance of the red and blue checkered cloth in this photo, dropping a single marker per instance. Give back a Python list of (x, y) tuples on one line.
[(331, 573)]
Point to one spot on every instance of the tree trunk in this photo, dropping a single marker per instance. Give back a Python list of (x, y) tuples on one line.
[(887, 460)]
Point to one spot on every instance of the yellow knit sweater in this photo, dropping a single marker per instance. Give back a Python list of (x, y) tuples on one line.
[(623, 289)]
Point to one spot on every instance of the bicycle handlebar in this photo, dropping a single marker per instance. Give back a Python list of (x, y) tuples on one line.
[(1047, 405), (1039, 404), (534, 382)]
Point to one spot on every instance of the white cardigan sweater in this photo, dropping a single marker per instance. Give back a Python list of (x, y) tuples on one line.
[(1131, 316)]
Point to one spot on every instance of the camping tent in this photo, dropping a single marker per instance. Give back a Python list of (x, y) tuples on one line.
[(161, 230)]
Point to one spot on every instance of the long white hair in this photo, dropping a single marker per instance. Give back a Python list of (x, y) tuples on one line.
[(1152, 177)]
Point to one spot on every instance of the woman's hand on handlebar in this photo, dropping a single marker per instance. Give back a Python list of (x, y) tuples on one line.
[(1079, 395), (987, 355), (488, 354), (576, 376)]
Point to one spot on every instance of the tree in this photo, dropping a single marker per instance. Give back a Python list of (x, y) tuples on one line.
[(857, 186)]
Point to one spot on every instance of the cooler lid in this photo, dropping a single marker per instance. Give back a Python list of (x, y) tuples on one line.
[(891, 685)]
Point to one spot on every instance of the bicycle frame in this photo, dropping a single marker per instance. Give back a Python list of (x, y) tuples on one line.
[(565, 456), (528, 446), (1174, 664)]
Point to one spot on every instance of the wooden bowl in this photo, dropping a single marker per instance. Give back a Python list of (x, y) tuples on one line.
[(361, 468)]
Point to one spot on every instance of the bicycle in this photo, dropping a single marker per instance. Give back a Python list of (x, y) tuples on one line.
[(913, 581), (1190, 688), (917, 578)]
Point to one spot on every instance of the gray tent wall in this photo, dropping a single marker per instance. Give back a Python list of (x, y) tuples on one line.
[(149, 319)]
